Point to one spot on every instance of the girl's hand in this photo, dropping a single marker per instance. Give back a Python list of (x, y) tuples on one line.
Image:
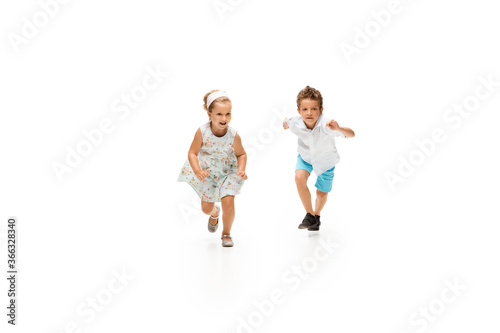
[(285, 124), (333, 125), (242, 175), (202, 174)]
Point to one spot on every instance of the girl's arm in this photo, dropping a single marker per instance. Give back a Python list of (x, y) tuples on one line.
[(241, 155), (193, 156)]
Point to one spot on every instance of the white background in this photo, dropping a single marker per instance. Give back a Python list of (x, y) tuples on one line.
[(122, 208)]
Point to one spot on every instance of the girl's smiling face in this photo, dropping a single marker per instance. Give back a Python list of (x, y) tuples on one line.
[(220, 116), (309, 111)]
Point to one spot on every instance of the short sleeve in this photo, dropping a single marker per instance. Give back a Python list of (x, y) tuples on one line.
[(292, 121), (334, 133)]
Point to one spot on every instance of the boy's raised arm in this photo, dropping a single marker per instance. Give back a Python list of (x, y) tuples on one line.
[(285, 124), (345, 131)]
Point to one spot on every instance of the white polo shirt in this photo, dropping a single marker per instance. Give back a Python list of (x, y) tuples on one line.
[(316, 146)]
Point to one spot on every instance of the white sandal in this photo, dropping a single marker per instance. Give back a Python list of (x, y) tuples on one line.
[(228, 243), (211, 227)]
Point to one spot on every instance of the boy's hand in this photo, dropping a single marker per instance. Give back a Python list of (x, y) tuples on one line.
[(242, 175), (285, 125), (333, 125), (202, 174)]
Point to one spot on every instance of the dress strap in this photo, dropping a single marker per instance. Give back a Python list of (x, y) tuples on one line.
[(231, 135), (203, 129)]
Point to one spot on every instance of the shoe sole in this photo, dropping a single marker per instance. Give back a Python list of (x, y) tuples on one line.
[(314, 227), (309, 227)]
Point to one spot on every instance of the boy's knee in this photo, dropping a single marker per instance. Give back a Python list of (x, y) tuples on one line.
[(301, 177), (321, 195)]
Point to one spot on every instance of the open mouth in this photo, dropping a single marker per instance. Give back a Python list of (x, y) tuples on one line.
[(223, 124)]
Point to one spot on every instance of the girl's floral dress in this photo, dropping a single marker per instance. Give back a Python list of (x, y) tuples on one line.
[(218, 158)]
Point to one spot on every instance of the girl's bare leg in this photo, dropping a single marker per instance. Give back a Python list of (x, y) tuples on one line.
[(209, 209), (227, 215)]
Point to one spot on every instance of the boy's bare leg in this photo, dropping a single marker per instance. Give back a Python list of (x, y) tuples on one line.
[(227, 215), (320, 201), (209, 209), (301, 177)]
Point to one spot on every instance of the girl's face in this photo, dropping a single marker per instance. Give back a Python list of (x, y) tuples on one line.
[(220, 115), (309, 111)]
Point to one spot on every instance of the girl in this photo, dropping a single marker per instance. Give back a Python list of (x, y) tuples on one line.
[(215, 168)]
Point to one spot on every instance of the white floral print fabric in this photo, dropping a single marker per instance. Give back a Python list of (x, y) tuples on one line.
[(218, 158)]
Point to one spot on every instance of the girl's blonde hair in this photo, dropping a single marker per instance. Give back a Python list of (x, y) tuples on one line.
[(222, 99)]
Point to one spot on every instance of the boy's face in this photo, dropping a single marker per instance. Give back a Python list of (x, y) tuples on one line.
[(309, 111)]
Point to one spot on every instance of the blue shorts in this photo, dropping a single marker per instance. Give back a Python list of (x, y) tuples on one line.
[(324, 181)]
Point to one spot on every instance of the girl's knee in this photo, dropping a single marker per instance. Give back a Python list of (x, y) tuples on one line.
[(207, 207), (227, 201)]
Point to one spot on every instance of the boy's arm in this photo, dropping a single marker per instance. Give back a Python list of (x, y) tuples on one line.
[(193, 156), (345, 131), (291, 123), (285, 124), (241, 155)]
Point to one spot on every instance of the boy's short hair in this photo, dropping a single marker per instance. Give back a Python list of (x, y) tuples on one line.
[(310, 93)]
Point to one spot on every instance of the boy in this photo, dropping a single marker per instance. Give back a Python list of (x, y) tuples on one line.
[(316, 148)]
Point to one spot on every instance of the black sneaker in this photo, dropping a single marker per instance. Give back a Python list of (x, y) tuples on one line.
[(316, 226), (308, 222)]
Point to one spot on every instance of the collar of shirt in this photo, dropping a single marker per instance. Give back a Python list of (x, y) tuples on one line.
[(302, 124)]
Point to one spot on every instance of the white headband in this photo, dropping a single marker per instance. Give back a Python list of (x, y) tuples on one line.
[(213, 96)]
